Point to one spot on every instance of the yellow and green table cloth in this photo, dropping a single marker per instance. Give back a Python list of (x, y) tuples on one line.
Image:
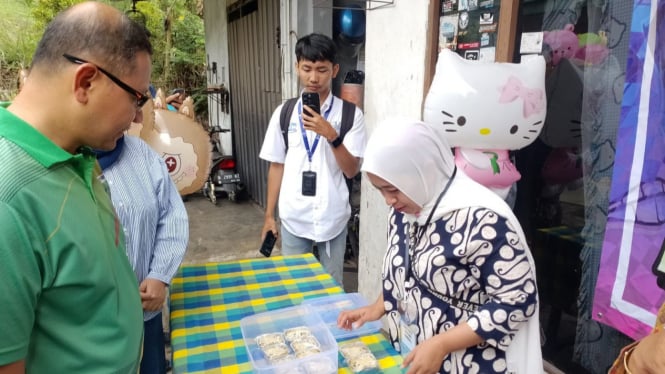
[(208, 301)]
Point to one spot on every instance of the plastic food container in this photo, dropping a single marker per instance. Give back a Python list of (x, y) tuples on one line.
[(329, 307), (270, 324)]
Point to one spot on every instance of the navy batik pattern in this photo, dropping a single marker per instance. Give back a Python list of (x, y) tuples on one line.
[(468, 266)]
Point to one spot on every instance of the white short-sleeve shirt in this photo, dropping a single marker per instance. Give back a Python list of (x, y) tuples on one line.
[(324, 216)]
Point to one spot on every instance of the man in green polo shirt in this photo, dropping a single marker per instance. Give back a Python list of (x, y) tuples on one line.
[(69, 300)]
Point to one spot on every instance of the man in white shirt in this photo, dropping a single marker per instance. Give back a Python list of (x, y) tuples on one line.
[(156, 228), (318, 158)]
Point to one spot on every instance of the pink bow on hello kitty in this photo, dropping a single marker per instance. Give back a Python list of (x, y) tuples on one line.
[(534, 100)]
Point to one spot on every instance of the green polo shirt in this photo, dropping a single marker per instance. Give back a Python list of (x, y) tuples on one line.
[(69, 300)]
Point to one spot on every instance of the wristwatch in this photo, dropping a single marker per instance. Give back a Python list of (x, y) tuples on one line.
[(337, 142)]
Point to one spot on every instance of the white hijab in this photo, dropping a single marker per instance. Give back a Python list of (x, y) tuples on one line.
[(410, 156), (415, 157)]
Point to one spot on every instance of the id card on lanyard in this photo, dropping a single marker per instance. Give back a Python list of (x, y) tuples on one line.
[(408, 325), (406, 306), (308, 186)]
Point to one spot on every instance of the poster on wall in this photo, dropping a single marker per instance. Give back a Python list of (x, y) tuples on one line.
[(627, 296), (469, 28), (448, 31)]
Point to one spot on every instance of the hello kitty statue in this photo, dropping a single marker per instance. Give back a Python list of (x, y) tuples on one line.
[(487, 109)]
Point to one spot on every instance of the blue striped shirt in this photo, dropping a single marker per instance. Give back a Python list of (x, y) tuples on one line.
[(151, 212)]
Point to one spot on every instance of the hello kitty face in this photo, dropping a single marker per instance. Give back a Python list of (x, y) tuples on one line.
[(487, 105)]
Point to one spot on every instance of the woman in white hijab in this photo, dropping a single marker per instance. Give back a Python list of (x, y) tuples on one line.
[(459, 284)]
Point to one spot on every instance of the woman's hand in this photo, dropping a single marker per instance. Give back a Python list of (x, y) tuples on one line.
[(353, 319), (426, 357)]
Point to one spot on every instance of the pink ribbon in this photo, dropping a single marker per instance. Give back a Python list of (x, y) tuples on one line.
[(534, 99)]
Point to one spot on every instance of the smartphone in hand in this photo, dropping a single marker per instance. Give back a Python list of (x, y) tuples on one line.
[(311, 99), (268, 244)]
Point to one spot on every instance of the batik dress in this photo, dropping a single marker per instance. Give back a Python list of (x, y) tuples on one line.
[(467, 266)]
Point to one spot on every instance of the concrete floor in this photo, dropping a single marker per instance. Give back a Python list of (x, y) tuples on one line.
[(225, 232), (231, 231)]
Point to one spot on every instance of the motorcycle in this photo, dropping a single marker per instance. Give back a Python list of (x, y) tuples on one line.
[(223, 178)]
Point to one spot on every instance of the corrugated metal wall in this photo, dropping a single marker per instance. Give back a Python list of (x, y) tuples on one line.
[(254, 68)]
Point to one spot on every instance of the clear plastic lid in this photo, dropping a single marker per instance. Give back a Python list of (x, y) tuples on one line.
[(329, 307), (269, 337)]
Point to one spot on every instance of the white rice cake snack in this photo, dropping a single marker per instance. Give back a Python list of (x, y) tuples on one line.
[(276, 352), (305, 346), (358, 356), (296, 333), (307, 352), (353, 348), (265, 340), (366, 361), (306, 342)]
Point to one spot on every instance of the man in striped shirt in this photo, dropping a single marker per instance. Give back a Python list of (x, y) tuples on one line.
[(156, 229)]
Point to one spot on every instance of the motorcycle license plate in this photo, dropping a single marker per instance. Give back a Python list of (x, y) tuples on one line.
[(231, 178)]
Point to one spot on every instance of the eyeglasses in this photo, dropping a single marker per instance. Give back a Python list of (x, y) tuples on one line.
[(141, 98)]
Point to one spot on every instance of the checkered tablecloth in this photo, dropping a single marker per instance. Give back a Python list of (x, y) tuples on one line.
[(208, 301)]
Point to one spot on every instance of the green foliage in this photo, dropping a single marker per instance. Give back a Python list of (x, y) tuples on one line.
[(177, 36), (188, 51), (16, 45), (43, 11), (178, 39), (155, 25)]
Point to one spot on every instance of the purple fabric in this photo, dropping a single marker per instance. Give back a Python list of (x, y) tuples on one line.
[(642, 228)]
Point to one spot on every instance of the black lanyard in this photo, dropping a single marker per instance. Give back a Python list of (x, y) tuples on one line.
[(416, 232)]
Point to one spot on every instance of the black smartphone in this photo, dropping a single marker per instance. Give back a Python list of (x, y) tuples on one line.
[(311, 99), (177, 91), (268, 244)]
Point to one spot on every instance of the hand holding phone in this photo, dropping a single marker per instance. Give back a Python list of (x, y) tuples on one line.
[(311, 100), (268, 244)]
